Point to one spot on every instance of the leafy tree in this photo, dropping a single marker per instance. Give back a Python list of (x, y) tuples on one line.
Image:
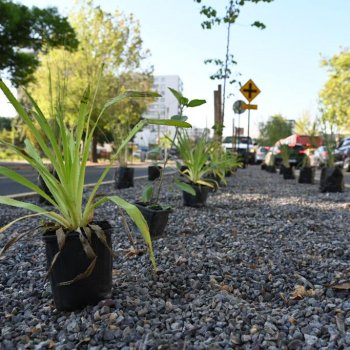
[(24, 32), (276, 128), (335, 95), (305, 125), (109, 40), (129, 112), (228, 17)]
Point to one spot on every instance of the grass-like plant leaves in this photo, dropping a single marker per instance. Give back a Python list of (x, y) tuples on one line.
[(68, 156), (195, 158)]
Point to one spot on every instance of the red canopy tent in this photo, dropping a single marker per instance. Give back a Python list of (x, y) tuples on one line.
[(309, 141)]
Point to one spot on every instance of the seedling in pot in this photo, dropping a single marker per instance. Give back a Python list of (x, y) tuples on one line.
[(151, 193)]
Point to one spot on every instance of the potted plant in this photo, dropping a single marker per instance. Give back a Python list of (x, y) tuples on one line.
[(269, 162), (156, 213), (78, 245), (124, 175), (221, 164), (332, 177), (288, 171), (195, 158), (154, 170), (307, 172), (232, 162)]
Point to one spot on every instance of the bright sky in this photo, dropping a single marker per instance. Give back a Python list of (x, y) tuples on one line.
[(283, 60)]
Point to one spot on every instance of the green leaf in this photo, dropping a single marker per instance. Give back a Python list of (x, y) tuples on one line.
[(139, 220), (184, 101), (36, 209), (142, 94), (179, 117), (196, 103), (185, 187), (177, 94), (169, 122), (147, 194), (155, 151), (25, 182)]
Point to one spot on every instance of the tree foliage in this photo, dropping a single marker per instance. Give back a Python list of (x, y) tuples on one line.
[(335, 95), (305, 125), (228, 16), (276, 128), (24, 32), (109, 40)]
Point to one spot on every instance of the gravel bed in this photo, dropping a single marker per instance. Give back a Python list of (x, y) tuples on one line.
[(262, 266)]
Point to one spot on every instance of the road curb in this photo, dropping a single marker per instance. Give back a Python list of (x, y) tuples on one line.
[(109, 182)]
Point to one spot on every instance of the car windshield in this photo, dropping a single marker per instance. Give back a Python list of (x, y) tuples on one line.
[(245, 140), (262, 149), (241, 139)]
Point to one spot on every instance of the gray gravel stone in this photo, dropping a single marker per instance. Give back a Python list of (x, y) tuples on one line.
[(250, 270)]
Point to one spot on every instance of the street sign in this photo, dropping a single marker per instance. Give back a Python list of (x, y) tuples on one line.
[(249, 106), (249, 90), (237, 107), (239, 131)]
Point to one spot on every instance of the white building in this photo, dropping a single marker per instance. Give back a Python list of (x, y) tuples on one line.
[(163, 108)]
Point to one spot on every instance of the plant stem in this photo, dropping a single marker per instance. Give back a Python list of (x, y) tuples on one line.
[(164, 165), (226, 66)]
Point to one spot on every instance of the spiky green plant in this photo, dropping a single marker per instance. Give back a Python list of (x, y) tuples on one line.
[(221, 161), (195, 156), (285, 154), (149, 195), (68, 159)]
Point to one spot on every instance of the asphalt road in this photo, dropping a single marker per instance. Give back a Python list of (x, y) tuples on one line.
[(93, 172)]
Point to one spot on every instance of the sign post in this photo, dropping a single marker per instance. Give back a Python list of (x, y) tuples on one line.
[(249, 91), (237, 109)]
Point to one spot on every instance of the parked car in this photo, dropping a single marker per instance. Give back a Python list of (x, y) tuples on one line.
[(260, 154), (342, 154), (321, 157), (296, 156), (243, 145)]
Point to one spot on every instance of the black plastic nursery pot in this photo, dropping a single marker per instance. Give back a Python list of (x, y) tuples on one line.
[(288, 173), (281, 169), (183, 168), (124, 177), (154, 172), (307, 175), (271, 168), (331, 180), (156, 217), (215, 181), (73, 261), (199, 199)]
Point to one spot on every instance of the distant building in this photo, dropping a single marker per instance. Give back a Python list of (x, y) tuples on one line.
[(163, 108)]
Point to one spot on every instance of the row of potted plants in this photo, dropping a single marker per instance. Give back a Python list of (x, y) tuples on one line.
[(331, 179), (78, 244)]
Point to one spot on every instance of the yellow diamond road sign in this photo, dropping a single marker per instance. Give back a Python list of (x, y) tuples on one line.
[(250, 90)]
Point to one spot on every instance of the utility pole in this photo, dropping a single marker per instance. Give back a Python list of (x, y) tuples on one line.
[(218, 123)]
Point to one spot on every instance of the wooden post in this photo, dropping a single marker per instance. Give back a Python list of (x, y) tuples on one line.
[(218, 123)]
